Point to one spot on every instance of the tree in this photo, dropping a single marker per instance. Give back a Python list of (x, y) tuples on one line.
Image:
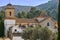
[(28, 15), (45, 34), (23, 14), (37, 33), (27, 31), (54, 36), (34, 35), (33, 13), (32, 9), (2, 23), (2, 14), (1, 29), (19, 15), (37, 13)]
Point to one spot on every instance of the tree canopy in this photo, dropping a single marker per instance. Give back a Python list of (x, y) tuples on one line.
[(41, 33), (1, 23)]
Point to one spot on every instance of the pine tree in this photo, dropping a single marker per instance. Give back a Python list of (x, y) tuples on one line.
[(19, 15), (23, 14)]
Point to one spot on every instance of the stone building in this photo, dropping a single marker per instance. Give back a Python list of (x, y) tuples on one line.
[(16, 25)]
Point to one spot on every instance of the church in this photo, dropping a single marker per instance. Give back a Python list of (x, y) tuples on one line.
[(13, 24)]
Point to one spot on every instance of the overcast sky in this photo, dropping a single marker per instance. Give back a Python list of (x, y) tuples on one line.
[(23, 2)]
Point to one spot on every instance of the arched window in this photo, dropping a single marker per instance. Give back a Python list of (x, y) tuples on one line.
[(48, 24), (10, 13)]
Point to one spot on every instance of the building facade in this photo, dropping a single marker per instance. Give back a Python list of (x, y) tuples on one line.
[(16, 25)]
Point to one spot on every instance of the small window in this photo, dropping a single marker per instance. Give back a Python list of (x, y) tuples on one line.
[(10, 13), (15, 30), (48, 24)]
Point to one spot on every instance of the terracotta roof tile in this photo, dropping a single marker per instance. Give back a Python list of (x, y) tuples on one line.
[(25, 20)]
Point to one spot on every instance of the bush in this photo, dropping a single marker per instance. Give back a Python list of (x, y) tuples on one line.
[(37, 33)]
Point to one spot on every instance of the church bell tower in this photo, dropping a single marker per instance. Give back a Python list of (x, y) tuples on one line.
[(9, 11), (9, 20)]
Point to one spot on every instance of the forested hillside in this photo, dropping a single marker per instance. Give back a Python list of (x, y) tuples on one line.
[(51, 8)]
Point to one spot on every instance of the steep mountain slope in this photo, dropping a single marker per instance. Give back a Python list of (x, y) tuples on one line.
[(19, 8), (51, 4), (51, 8)]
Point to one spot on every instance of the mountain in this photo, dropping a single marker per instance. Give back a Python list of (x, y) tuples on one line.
[(51, 8), (18, 8), (21, 8), (51, 4)]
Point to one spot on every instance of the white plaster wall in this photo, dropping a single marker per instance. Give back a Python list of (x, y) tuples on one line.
[(17, 38), (51, 27), (39, 19), (8, 24), (44, 24), (17, 28), (9, 21)]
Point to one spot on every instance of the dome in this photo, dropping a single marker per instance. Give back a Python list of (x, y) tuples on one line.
[(9, 4)]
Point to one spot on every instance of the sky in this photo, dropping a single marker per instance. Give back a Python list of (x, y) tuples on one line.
[(23, 2)]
